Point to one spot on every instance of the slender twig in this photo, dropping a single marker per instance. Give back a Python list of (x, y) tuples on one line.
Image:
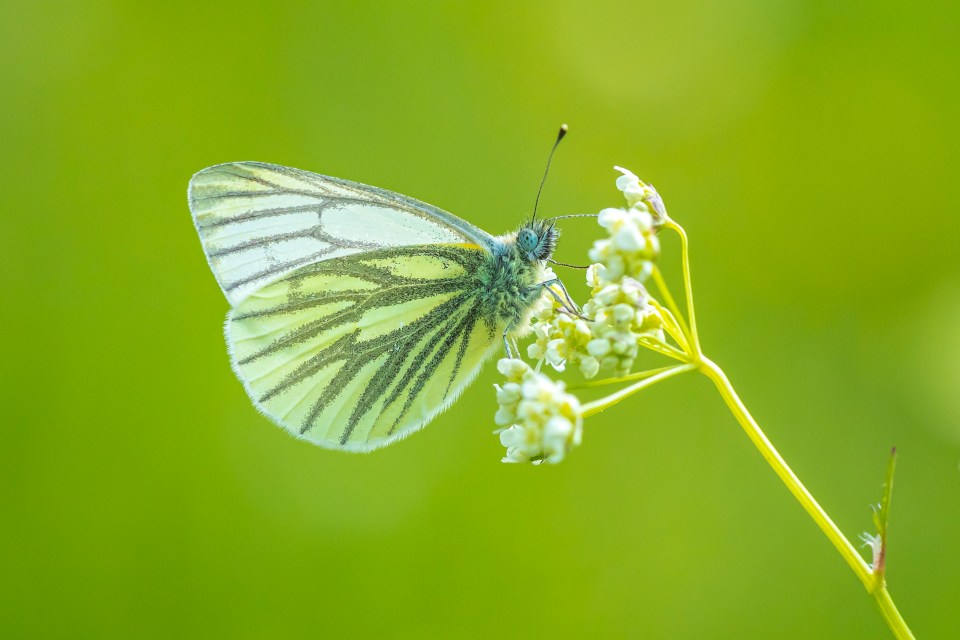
[(687, 284), (640, 375), (664, 348), (597, 406), (673, 327), (806, 500), (672, 305)]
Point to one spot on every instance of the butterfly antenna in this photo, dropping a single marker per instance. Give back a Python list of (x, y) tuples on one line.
[(567, 264), (563, 132), (572, 215)]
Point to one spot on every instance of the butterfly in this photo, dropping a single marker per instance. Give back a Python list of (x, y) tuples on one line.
[(358, 314)]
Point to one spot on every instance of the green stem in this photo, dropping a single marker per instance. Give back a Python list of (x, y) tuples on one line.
[(672, 327), (592, 408), (890, 613), (674, 309), (800, 492), (665, 349), (687, 284), (640, 375)]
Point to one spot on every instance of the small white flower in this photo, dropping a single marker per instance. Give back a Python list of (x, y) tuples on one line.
[(589, 366), (512, 369), (561, 339), (631, 186), (636, 192), (544, 421), (629, 238), (598, 348), (509, 393), (609, 217), (535, 350)]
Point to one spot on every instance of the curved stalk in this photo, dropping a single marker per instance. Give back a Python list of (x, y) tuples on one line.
[(672, 327), (687, 285), (675, 310), (879, 591), (665, 349), (592, 408), (640, 375)]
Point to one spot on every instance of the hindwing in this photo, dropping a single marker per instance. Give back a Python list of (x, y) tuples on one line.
[(358, 351)]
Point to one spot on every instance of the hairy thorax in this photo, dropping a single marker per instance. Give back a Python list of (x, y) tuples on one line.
[(510, 285)]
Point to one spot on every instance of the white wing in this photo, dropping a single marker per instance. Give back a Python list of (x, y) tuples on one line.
[(258, 222)]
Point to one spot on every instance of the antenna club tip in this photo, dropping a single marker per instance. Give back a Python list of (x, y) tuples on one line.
[(563, 131)]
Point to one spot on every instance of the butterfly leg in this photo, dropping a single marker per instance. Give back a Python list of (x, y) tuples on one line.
[(567, 304), (573, 304), (506, 345)]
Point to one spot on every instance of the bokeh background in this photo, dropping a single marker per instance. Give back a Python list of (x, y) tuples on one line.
[(811, 150)]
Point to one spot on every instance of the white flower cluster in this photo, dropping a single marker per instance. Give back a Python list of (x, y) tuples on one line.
[(617, 315), (540, 421), (632, 246), (619, 312), (562, 339), (621, 315)]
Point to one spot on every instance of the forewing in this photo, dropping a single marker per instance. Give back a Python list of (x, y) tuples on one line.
[(260, 221), (358, 351)]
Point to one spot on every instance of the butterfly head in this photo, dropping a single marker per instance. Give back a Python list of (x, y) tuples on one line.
[(536, 240)]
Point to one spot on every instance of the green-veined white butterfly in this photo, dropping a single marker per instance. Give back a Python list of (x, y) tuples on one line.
[(358, 314)]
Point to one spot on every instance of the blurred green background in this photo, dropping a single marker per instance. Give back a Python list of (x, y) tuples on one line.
[(811, 150)]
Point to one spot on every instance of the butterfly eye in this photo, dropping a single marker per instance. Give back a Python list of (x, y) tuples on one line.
[(527, 240)]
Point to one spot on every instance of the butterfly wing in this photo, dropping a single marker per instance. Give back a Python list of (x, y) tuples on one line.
[(260, 221), (358, 351)]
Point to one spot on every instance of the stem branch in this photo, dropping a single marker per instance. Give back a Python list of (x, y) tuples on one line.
[(597, 406), (676, 315), (640, 375), (687, 283)]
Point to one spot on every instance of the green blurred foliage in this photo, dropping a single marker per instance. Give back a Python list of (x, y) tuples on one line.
[(811, 150)]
